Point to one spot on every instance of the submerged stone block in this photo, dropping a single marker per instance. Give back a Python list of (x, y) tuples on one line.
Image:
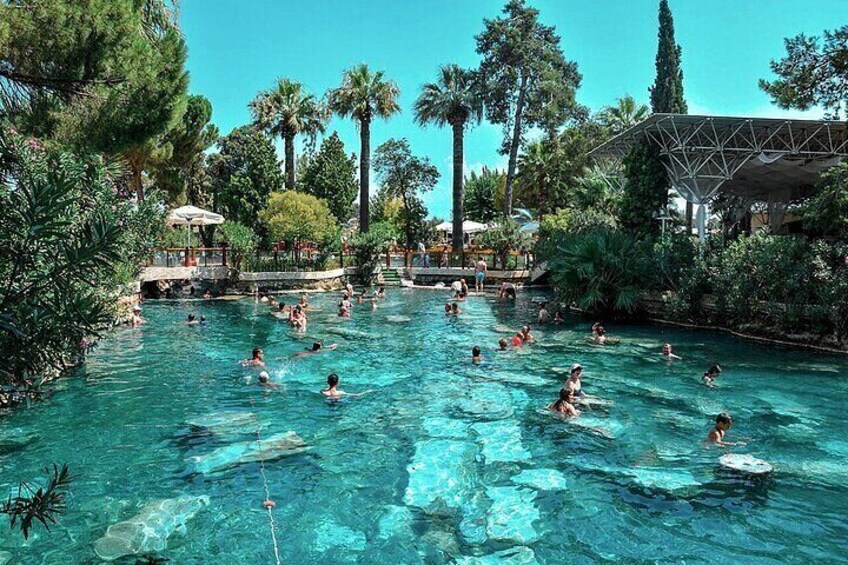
[(520, 555), (501, 442), (150, 529), (225, 422), (274, 447), (541, 479), (441, 473), (512, 514), (330, 535)]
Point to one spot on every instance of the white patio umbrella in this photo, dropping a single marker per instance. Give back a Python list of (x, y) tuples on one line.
[(467, 227), (193, 216)]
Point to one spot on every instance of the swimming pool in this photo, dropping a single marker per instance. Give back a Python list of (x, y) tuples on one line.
[(446, 461)]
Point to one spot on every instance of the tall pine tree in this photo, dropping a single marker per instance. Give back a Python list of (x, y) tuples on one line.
[(667, 91)]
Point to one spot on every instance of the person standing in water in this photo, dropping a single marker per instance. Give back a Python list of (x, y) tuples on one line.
[(711, 375), (573, 383), (476, 354), (666, 351), (480, 270), (544, 316), (716, 435), (565, 403), (257, 359)]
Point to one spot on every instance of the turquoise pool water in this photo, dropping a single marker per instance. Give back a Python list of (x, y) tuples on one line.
[(446, 461)]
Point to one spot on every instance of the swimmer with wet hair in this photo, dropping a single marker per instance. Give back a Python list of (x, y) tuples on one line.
[(265, 380), (476, 354), (502, 344), (317, 347), (447, 308), (711, 375), (666, 351), (332, 391), (257, 359), (558, 319), (526, 336), (455, 309), (716, 435), (565, 403), (191, 321)]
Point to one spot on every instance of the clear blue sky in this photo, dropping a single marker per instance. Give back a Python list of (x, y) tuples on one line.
[(238, 47)]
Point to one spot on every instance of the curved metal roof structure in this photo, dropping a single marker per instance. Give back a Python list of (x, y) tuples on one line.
[(746, 156), (758, 158)]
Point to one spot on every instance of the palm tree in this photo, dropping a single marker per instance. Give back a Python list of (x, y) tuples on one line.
[(624, 115), (363, 96), (538, 181), (453, 100), (288, 110)]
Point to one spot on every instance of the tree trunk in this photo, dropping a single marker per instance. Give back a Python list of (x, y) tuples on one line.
[(136, 183), (688, 218), (513, 147), (458, 195), (289, 145), (364, 172)]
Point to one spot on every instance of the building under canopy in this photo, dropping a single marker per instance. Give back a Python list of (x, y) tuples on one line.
[(758, 159)]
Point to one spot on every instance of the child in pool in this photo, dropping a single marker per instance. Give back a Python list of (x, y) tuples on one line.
[(711, 375), (265, 380), (565, 403), (455, 309), (502, 344), (716, 435)]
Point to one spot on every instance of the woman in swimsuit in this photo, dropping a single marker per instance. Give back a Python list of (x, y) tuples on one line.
[(573, 383), (564, 404)]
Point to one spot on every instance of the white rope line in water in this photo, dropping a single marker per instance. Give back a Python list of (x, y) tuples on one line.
[(268, 507), (267, 503)]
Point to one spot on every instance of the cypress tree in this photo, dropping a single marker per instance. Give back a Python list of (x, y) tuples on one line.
[(667, 91)]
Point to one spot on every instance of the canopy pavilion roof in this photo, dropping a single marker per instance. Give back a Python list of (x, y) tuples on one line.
[(759, 158)]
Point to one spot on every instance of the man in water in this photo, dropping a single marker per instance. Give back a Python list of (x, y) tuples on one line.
[(526, 336), (455, 309), (480, 270), (192, 321), (332, 391), (716, 435), (256, 360), (506, 290), (666, 351), (711, 375), (476, 354)]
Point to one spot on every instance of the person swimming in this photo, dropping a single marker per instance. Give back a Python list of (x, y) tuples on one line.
[(526, 336), (333, 392), (343, 310), (374, 302), (447, 308), (381, 293), (265, 380), (476, 354), (723, 422), (317, 347), (257, 359), (666, 350), (503, 344), (565, 403), (203, 320), (558, 319), (574, 383), (711, 375), (361, 297), (455, 309), (191, 320), (207, 294)]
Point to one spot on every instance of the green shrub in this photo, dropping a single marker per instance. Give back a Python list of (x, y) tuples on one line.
[(369, 247), (601, 271), (240, 240), (503, 238)]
